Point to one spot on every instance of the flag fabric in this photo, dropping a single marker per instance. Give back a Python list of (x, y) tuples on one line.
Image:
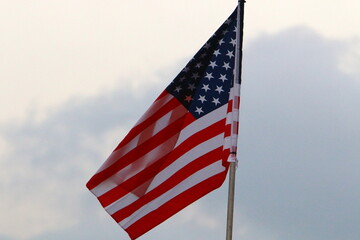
[(178, 151)]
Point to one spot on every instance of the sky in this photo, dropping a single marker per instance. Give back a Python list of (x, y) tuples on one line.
[(76, 75)]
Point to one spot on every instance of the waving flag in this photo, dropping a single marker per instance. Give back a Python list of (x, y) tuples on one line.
[(178, 151)]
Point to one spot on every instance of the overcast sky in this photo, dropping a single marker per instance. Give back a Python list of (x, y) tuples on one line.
[(69, 69)]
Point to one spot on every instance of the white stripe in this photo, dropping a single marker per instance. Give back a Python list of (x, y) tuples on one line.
[(156, 127), (124, 201), (160, 124), (188, 183), (165, 120), (134, 168), (236, 88), (158, 152), (155, 107), (228, 118), (232, 116), (234, 91), (121, 203), (202, 123), (185, 159), (194, 153), (228, 141)]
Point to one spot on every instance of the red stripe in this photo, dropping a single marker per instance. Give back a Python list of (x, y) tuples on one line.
[(130, 185), (197, 138), (147, 133), (150, 172), (173, 103), (237, 102), (174, 205), (139, 151), (163, 94), (174, 180), (227, 130), (156, 105), (226, 154), (236, 127), (229, 109), (159, 105)]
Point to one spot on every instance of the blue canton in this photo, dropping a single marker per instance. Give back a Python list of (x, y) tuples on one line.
[(204, 84)]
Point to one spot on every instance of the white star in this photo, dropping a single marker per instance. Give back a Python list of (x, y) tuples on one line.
[(196, 75), (199, 110), (226, 65), (186, 69), (182, 78), (205, 87), (225, 32), (230, 54), (198, 65), (223, 77), (213, 64), (215, 101), (202, 99), (233, 42), (217, 52), (221, 41), (188, 98), (219, 89), (177, 89), (209, 76), (235, 29), (191, 86), (207, 45)]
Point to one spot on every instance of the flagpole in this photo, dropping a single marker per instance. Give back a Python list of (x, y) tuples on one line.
[(237, 80)]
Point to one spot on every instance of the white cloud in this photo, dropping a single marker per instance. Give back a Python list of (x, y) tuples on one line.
[(46, 164), (349, 62), (53, 50), (298, 168)]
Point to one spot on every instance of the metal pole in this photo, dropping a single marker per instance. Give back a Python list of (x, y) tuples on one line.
[(230, 209), (237, 80)]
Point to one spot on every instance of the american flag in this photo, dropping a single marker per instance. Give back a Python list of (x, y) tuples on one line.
[(178, 151)]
